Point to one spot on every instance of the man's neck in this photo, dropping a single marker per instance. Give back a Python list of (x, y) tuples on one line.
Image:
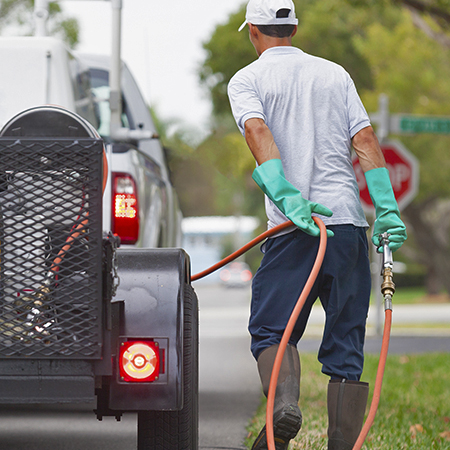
[(285, 42)]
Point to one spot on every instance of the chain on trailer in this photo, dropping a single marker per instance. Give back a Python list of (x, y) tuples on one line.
[(111, 279)]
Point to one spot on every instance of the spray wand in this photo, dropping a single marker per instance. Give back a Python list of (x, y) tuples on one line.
[(387, 290), (388, 286)]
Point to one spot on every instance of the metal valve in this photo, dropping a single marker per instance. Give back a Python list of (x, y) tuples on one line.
[(388, 286)]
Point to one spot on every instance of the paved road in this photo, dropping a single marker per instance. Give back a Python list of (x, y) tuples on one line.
[(229, 382), (229, 392), (62, 428), (229, 385)]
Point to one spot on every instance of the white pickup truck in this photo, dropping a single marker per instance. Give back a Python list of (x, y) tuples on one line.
[(139, 204), (69, 332)]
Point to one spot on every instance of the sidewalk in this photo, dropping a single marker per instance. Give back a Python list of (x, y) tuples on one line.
[(407, 320), (229, 382), (417, 328)]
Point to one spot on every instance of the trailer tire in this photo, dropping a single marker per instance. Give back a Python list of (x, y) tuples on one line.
[(177, 430)]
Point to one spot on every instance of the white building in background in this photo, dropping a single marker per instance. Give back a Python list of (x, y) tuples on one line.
[(203, 239)]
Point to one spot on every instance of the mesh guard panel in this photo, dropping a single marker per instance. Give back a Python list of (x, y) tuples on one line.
[(50, 248)]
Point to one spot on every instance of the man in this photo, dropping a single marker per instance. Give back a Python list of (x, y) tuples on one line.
[(300, 116)]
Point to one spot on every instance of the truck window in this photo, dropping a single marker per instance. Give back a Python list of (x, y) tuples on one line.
[(84, 102), (100, 90)]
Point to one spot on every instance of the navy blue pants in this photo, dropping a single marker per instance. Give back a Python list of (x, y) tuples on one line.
[(343, 287)]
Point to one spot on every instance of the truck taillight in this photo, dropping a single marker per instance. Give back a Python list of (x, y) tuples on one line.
[(125, 208), (139, 361)]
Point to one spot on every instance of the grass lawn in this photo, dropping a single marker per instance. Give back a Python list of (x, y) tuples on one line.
[(407, 295), (414, 410)]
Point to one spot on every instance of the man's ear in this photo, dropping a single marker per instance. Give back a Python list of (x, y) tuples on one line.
[(295, 31), (253, 30)]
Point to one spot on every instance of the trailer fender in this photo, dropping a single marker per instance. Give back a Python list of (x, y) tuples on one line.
[(150, 304)]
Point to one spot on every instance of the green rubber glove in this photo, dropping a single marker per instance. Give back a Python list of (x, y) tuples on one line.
[(386, 209), (270, 177)]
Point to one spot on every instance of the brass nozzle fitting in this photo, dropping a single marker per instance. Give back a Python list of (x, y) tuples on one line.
[(388, 285)]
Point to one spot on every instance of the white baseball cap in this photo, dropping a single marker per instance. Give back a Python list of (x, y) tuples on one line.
[(266, 12)]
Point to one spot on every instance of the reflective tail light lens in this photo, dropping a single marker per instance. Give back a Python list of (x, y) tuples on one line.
[(125, 208), (139, 361)]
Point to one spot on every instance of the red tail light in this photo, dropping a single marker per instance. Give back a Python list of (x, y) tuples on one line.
[(246, 275), (125, 207), (139, 361)]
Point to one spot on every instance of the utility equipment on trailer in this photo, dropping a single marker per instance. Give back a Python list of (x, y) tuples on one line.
[(69, 331)]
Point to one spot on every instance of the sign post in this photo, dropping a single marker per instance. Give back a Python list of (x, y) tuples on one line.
[(406, 124), (403, 170), (404, 174)]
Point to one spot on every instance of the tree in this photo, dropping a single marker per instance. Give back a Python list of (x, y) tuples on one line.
[(228, 51), (385, 51), (213, 178), (18, 14), (436, 11), (326, 29), (415, 71), (227, 154)]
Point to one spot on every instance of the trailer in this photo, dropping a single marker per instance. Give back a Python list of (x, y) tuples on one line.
[(82, 319)]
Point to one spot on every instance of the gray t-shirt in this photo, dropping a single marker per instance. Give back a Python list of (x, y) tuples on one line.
[(313, 110)]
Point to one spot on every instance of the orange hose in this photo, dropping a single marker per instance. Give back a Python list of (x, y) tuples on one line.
[(290, 327), (378, 381), (288, 332), (81, 226), (242, 250), (73, 235), (105, 170)]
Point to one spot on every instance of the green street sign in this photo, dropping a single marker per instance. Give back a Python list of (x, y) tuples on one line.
[(424, 124)]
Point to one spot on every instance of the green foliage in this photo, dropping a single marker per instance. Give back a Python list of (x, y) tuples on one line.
[(228, 152), (414, 71), (19, 14), (327, 29), (214, 177), (232, 163), (190, 176), (438, 10), (227, 52), (69, 30), (411, 68), (9, 7), (13, 11)]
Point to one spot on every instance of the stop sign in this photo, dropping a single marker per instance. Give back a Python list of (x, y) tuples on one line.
[(403, 171)]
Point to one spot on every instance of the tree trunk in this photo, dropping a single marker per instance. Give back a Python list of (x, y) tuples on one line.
[(433, 284), (430, 227)]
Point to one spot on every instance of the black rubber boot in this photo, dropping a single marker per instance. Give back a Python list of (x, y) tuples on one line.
[(287, 418), (347, 402)]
